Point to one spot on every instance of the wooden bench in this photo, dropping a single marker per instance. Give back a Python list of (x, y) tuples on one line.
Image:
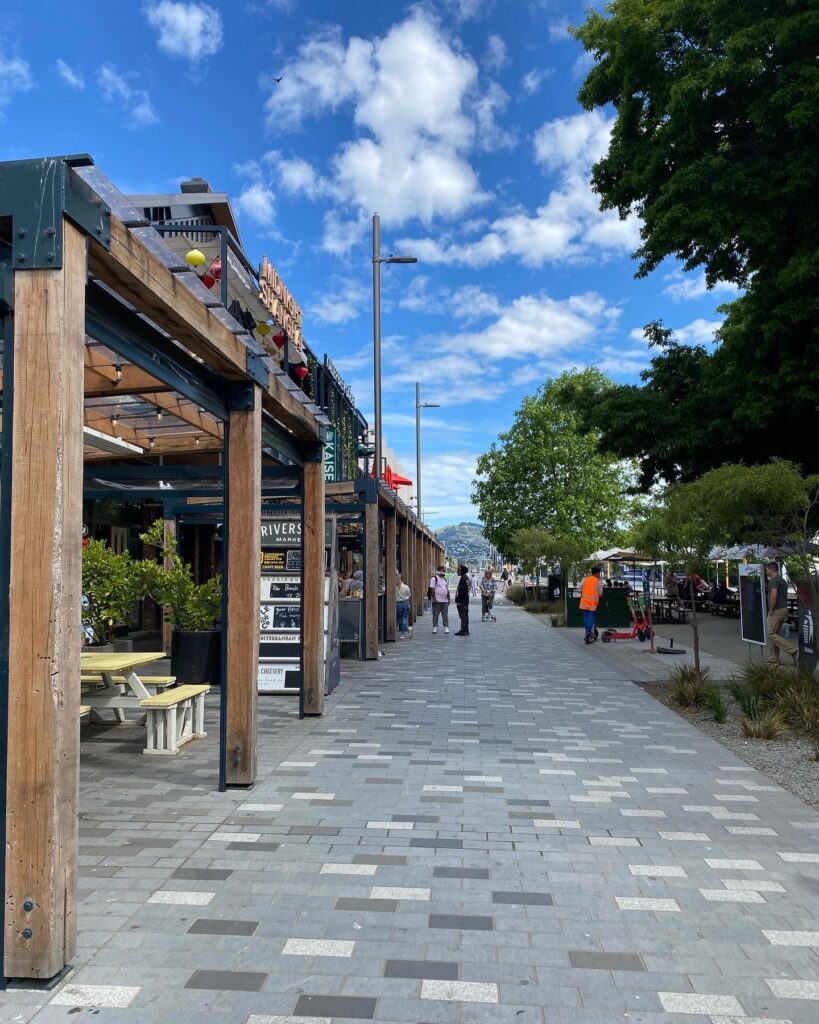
[(84, 710), (174, 718), (151, 682)]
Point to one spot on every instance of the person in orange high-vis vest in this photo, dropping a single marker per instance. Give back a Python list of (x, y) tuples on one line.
[(590, 590)]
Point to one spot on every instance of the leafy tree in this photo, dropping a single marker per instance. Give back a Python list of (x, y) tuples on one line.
[(109, 587), (185, 604), (716, 147), (548, 470), (681, 529)]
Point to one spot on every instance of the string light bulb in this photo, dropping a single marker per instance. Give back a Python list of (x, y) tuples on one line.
[(159, 414), (118, 373), (151, 442)]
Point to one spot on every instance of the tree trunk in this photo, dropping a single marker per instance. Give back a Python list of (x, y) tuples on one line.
[(695, 628)]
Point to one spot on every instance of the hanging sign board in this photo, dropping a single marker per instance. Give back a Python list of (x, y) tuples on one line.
[(808, 655), (330, 456), (280, 605), (752, 606)]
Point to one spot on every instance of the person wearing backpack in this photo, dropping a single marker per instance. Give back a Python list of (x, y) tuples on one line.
[(438, 594)]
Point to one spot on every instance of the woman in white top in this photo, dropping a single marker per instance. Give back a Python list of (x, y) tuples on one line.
[(402, 607)]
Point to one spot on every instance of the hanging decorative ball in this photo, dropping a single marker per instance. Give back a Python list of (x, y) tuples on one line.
[(263, 328), (195, 258), (301, 371), (278, 340), (212, 274)]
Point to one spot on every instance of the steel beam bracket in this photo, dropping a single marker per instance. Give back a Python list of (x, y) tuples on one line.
[(241, 396), (257, 367), (36, 194)]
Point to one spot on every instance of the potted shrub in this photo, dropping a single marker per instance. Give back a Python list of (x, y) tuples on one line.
[(109, 588), (191, 608)]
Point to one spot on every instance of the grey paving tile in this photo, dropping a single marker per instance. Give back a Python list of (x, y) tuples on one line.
[(374, 906), (437, 844), (357, 1007), (595, 961), (216, 926), (462, 922), (379, 858), (444, 872), (524, 899), (441, 969), (227, 981), (202, 874)]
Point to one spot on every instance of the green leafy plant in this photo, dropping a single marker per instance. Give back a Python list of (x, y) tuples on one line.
[(110, 588), (717, 706), (799, 704), (766, 726), (750, 703), (690, 686), (765, 680), (186, 605)]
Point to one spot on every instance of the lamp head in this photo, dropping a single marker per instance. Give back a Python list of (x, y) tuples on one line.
[(401, 259)]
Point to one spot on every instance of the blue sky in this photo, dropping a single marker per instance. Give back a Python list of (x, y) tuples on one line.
[(457, 120)]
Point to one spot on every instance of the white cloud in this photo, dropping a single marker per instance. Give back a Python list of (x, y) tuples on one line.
[(191, 30), (348, 300), (468, 303), (693, 286), (698, 332), (297, 176), (568, 227), (496, 53), (15, 76), (559, 31), (256, 202), (135, 103), (532, 80), (583, 64), (72, 78), (418, 110), (471, 302)]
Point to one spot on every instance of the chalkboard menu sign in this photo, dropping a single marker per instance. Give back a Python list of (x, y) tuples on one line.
[(280, 605)]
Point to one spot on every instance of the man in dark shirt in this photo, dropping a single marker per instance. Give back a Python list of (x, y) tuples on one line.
[(777, 613), (462, 600)]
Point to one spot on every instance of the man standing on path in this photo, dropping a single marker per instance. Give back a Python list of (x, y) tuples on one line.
[(438, 593), (590, 590), (462, 600), (777, 613)]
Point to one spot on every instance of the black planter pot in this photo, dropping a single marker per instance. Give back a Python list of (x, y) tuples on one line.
[(196, 656)]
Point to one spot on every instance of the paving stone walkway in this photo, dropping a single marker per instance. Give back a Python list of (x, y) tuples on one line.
[(498, 828)]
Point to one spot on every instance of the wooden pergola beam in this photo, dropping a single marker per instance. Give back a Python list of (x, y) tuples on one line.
[(186, 412), (139, 277)]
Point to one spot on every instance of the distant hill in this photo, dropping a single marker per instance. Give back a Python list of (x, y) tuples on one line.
[(465, 541)]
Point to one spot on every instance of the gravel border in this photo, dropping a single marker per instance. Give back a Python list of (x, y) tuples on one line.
[(789, 761)]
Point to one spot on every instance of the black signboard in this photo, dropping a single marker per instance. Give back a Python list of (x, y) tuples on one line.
[(274, 561), (280, 604), (283, 587), (806, 627), (752, 610), (282, 532)]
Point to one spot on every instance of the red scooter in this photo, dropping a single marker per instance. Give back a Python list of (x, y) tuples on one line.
[(641, 628)]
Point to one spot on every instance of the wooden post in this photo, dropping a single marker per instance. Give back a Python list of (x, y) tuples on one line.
[(45, 590), (403, 533), (421, 572), (244, 487), (313, 583), (372, 558), (390, 574), (169, 530)]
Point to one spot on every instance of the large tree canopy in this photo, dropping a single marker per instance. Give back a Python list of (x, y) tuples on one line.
[(548, 470), (716, 147)]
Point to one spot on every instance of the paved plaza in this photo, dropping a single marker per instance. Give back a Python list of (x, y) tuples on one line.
[(501, 828)]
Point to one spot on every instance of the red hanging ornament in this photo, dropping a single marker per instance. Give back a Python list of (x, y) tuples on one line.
[(301, 371), (278, 341), (213, 273)]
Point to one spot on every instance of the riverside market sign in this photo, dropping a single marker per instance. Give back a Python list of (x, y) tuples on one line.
[(275, 296)]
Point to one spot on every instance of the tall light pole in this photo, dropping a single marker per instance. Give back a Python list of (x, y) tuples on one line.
[(418, 408), (377, 261)]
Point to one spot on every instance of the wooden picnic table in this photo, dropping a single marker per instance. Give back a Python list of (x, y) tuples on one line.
[(117, 694)]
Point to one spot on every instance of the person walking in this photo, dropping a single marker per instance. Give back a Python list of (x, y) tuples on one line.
[(402, 608), (590, 590), (488, 588), (777, 613), (462, 601), (438, 593)]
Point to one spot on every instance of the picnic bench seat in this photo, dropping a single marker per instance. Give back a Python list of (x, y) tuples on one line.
[(84, 710), (174, 718), (151, 682)]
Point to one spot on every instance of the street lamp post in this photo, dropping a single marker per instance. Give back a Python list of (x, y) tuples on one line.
[(378, 259), (418, 408)]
